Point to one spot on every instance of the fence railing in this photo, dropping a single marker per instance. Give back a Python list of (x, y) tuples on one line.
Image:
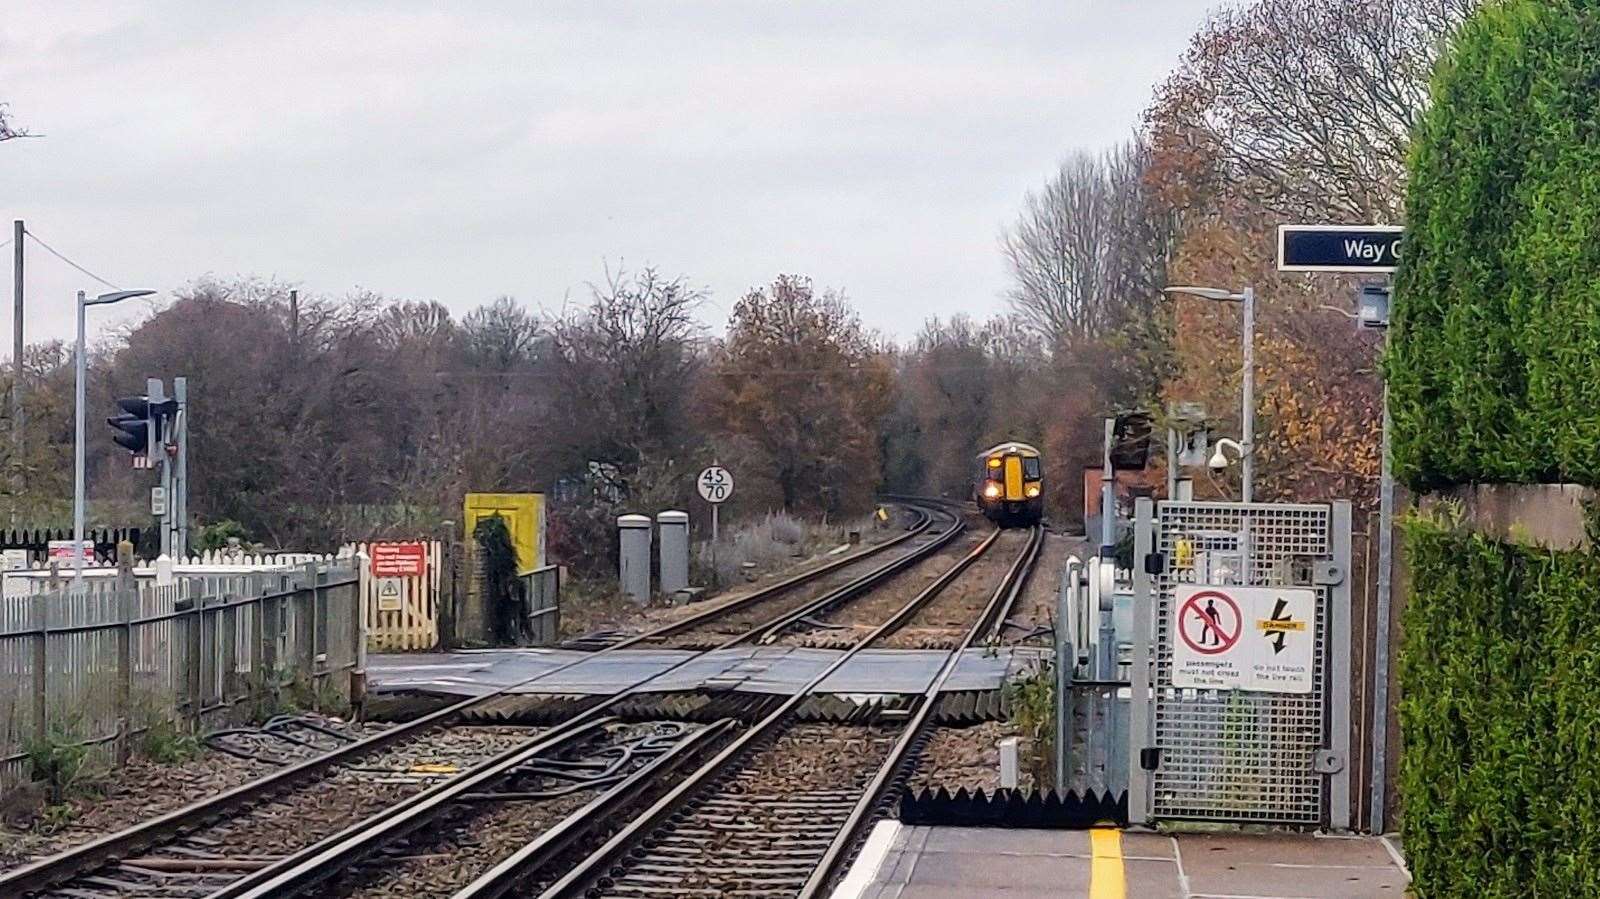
[(541, 591), (99, 663)]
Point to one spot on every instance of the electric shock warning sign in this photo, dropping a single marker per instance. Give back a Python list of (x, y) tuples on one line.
[(1243, 638)]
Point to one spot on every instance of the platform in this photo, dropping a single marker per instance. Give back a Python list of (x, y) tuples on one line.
[(962, 862), (776, 670), (950, 862)]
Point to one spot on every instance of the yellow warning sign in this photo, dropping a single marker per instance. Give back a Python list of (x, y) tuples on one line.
[(1269, 625)]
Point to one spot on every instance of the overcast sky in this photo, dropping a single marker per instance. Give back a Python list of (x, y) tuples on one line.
[(517, 147)]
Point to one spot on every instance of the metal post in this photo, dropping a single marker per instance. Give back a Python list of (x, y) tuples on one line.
[(127, 601), (1339, 622), (1141, 704), (178, 499), (77, 453), (1108, 496), (1065, 653), (1380, 664), (17, 348), (1172, 463), (1248, 421)]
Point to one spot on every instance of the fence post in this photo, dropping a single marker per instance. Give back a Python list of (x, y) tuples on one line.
[(194, 676), (41, 665), (358, 609), (126, 603), (315, 604)]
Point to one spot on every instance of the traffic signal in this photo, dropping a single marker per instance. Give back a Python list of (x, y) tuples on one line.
[(138, 425), (1130, 441)]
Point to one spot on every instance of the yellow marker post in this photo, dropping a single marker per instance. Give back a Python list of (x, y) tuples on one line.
[(1106, 877)]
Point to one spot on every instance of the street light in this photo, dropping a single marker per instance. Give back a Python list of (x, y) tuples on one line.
[(1247, 424), (84, 303)]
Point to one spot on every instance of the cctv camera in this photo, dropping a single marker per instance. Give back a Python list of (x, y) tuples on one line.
[(1218, 461)]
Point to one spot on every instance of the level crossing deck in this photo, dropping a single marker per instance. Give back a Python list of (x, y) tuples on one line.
[(774, 670)]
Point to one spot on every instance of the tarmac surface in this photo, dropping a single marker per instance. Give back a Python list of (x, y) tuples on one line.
[(1105, 863)]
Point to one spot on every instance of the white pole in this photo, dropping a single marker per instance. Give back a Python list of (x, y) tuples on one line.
[(1248, 423), (77, 455)]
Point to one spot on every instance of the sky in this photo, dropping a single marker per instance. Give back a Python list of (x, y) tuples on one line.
[(458, 152)]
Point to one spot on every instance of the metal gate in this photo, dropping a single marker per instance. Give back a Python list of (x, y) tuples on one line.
[(1241, 755)]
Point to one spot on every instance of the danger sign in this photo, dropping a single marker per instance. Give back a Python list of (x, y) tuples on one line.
[(398, 559), (1243, 638)]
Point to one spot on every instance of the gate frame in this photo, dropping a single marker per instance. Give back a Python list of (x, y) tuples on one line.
[(1335, 575)]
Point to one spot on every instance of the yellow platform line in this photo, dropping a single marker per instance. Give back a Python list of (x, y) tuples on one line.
[(1106, 877)]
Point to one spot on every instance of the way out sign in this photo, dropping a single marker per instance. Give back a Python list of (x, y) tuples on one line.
[(1260, 639), (1339, 248)]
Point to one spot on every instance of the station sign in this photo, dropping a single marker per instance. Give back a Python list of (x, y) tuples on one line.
[(1258, 639), (1371, 249), (398, 559)]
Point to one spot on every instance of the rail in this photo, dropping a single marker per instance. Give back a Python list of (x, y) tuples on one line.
[(577, 880), (306, 866)]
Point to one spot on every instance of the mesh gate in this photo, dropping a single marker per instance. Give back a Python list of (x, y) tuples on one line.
[(1233, 755)]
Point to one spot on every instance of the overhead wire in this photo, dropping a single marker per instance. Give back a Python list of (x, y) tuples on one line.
[(52, 251)]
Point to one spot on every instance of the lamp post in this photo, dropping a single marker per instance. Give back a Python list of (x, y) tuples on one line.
[(84, 303), (1247, 418)]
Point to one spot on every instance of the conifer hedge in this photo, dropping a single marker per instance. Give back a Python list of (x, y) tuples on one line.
[(1494, 367), (1500, 718), (1494, 372)]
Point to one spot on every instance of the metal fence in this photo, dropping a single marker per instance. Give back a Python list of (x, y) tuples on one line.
[(1229, 754), (100, 663), (541, 590)]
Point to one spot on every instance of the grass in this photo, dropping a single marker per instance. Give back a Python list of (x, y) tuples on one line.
[(1032, 704)]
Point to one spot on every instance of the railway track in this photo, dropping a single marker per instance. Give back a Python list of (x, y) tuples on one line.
[(757, 819), (108, 866)]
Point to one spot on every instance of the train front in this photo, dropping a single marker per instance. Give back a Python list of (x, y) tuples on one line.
[(1011, 485)]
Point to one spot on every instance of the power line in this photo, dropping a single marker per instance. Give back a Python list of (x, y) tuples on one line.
[(4, 245), (52, 251)]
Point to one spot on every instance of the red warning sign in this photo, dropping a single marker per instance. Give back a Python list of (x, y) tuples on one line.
[(1209, 622), (398, 559)]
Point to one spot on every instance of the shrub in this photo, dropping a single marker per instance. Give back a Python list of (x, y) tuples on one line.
[(1500, 717), (1494, 367)]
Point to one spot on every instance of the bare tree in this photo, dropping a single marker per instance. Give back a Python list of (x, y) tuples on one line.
[(1088, 254), (9, 130), (1307, 104)]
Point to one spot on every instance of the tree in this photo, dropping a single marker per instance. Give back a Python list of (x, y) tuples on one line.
[(1088, 253), (624, 376), (1306, 106), (802, 382), (8, 129)]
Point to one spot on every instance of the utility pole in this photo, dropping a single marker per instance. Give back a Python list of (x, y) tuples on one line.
[(17, 232)]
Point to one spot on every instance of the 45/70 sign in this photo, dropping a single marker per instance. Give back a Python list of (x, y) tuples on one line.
[(715, 484)]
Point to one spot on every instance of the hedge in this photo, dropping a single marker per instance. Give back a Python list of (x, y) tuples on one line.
[(1494, 364), (1500, 718)]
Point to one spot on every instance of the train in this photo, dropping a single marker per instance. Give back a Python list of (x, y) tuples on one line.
[(1009, 487)]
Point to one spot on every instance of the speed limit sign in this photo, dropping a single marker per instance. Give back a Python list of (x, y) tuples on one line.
[(715, 485)]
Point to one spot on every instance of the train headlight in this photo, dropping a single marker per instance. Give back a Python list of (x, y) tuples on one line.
[(994, 463), (1033, 491), (991, 490)]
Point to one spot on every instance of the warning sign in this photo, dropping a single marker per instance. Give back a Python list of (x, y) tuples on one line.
[(398, 559), (389, 594), (1243, 638)]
